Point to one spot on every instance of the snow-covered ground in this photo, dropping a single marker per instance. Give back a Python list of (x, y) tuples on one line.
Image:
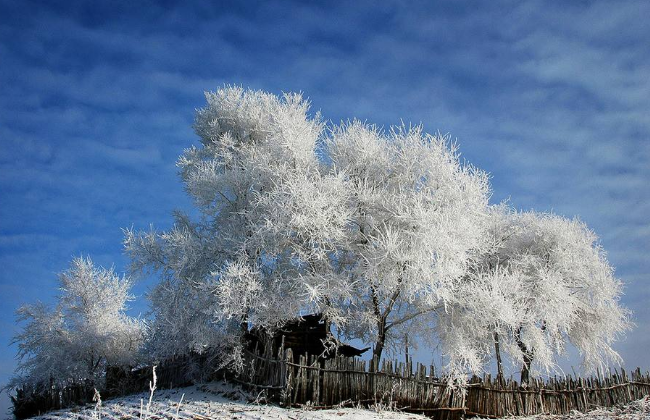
[(220, 401), (637, 410), (211, 401)]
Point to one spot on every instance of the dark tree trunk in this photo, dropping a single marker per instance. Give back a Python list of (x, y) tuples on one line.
[(528, 357), (382, 317), (497, 351), (525, 369), (379, 344)]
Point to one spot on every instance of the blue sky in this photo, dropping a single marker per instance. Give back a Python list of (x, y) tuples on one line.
[(97, 100)]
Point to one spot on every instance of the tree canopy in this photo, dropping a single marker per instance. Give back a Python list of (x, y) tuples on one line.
[(374, 235), (387, 233), (85, 332), (543, 282)]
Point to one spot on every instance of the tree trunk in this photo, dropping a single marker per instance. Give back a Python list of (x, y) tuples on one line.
[(379, 344), (497, 351), (528, 357), (525, 369)]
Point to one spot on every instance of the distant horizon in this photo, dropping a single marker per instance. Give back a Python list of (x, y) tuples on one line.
[(98, 103)]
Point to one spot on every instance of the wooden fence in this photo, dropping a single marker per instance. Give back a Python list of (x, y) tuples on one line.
[(415, 388), (31, 401), (491, 398)]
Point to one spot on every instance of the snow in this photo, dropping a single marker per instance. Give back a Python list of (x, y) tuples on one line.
[(222, 401), (636, 410), (212, 401)]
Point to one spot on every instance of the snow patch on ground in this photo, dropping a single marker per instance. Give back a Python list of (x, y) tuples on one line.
[(211, 401), (222, 401), (636, 410)]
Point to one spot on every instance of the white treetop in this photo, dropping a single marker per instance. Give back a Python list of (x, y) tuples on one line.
[(416, 215), (84, 333), (387, 233), (389, 218), (545, 282), (269, 221)]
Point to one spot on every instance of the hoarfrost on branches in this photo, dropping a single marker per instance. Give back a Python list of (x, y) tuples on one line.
[(388, 234), (269, 218), (374, 238), (544, 282), (416, 215), (84, 333)]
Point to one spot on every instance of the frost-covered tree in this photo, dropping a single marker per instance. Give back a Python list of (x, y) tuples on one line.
[(372, 235), (386, 233), (543, 283), (416, 215), (85, 332), (269, 220)]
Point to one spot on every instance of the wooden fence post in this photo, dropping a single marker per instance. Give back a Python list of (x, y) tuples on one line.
[(288, 387)]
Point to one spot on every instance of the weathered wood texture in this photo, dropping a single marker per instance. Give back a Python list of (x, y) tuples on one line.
[(415, 388), (34, 401), (489, 397), (308, 380), (308, 334)]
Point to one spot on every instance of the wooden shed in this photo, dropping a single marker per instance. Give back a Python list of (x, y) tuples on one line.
[(308, 334)]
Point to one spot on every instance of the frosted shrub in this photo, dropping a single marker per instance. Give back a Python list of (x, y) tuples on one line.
[(86, 330)]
